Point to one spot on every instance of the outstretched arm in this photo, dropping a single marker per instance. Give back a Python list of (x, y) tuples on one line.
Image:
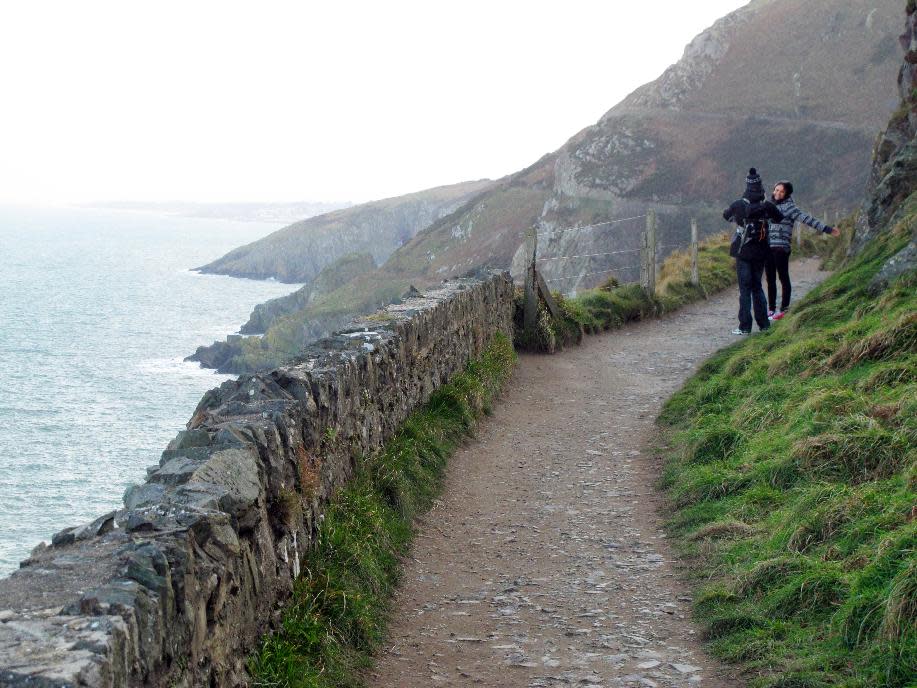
[(796, 214)]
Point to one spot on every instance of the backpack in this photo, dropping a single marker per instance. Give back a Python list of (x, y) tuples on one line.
[(755, 229)]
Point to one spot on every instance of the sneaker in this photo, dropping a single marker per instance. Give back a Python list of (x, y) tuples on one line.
[(740, 331), (770, 314), (778, 315)]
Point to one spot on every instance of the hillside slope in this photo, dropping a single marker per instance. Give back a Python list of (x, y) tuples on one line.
[(769, 85), (297, 253), (794, 466)]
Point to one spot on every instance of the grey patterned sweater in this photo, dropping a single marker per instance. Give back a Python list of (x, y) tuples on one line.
[(781, 233)]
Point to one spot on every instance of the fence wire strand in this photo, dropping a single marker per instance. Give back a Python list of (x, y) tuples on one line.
[(590, 255), (592, 226), (592, 274)]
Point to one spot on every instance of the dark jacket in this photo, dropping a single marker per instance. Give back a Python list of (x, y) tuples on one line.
[(743, 212), (781, 234)]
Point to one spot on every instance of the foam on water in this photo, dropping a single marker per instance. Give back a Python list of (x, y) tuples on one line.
[(97, 311)]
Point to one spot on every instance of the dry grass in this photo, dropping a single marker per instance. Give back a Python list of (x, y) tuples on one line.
[(900, 618), (309, 472), (722, 531), (897, 340)]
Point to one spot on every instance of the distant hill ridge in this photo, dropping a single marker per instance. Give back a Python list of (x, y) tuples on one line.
[(299, 252)]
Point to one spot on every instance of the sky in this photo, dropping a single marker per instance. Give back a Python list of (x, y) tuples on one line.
[(302, 101)]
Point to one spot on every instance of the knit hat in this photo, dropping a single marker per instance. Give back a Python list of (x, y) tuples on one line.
[(754, 188)]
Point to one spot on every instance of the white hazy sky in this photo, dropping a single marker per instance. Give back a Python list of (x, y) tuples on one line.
[(285, 101)]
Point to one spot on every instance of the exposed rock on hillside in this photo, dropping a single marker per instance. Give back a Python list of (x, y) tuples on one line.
[(239, 354), (797, 88), (894, 170), (893, 177)]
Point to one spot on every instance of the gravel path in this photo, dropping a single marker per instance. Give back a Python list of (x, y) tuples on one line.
[(545, 562)]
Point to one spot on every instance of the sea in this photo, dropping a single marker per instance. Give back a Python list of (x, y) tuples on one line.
[(97, 310)]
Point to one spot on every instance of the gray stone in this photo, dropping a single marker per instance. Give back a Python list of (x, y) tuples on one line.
[(137, 496), (190, 438)]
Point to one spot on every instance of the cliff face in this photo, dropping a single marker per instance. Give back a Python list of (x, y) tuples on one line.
[(285, 319), (893, 176), (334, 276), (299, 252)]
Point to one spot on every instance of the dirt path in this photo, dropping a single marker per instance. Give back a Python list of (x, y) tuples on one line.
[(545, 563)]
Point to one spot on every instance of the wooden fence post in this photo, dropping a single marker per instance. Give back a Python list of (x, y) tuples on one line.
[(530, 308), (645, 257), (695, 272), (798, 235), (648, 255)]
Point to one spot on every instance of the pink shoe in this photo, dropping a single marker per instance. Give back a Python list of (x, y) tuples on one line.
[(778, 315)]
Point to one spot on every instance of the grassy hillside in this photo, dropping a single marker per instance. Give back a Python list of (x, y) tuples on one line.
[(793, 476)]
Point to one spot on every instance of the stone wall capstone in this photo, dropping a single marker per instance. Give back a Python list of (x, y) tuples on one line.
[(176, 588)]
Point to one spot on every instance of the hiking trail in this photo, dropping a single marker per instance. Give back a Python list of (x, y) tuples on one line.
[(545, 563)]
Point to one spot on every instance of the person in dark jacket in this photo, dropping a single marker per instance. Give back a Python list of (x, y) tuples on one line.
[(750, 248), (780, 240)]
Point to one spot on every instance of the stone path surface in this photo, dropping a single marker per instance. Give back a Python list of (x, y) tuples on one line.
[(545, 563)]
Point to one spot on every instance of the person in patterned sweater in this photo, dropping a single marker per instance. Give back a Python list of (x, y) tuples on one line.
[(780, 239)]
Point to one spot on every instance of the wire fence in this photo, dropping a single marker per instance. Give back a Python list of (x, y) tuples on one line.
[(571, 263), (566, 265)]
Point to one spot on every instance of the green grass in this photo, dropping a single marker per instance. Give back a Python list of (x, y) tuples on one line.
[(793, 485), (337, 616)]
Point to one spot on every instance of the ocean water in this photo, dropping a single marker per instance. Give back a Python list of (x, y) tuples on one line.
[(97, 311)]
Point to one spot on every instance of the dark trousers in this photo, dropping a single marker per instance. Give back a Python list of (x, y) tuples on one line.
[(778, 263), (751, 293)]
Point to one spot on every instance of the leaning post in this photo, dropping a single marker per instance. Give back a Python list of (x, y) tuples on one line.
[(695, 272), (644, 258), (651, 253), (530, 307)]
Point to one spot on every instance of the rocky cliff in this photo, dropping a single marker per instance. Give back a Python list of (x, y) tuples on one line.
[(291, 330), (893, 176), (298, 253)]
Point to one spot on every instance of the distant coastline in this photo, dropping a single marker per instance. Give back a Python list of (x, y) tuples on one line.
[(283, 213)]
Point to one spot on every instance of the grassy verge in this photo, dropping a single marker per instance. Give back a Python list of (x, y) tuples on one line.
[(337, 616), (792, 475)]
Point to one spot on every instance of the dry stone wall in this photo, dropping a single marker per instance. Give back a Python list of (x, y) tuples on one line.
[(175, 588)]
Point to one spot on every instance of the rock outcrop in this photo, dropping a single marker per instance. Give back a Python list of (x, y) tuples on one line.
[(893, 177), (176, 588)]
